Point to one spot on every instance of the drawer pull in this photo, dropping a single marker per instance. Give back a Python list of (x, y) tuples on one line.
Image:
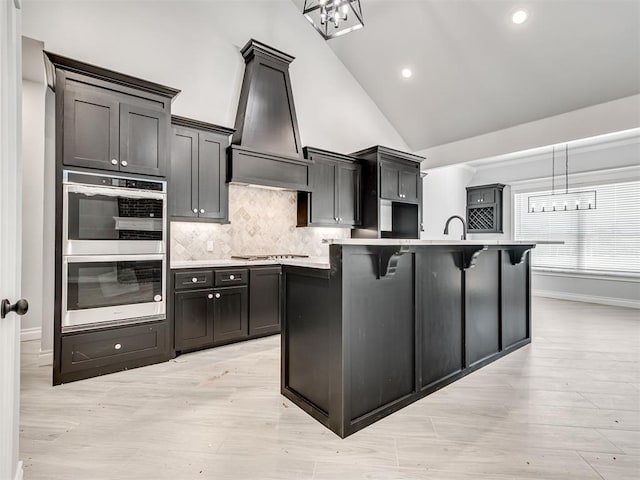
[(117, 346), (194, 280), (217, 295), (232, 277)]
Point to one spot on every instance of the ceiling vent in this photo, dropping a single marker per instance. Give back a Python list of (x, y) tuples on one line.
[(266, 147)]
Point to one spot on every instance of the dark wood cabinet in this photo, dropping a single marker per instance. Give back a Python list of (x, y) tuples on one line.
[(110, 122), (144, 140), (214, 307), (198, 187), (91, 128), (230, 314), (112, 130), (400, 182), (264, 300), (484, 208), (194, 308), (93, 353), (335, 199), (392, 194)]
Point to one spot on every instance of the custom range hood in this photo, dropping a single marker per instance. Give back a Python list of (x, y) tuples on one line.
[(266, 147)]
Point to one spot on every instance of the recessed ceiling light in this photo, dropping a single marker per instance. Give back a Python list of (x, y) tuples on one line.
[(406, 72), (519, 16)]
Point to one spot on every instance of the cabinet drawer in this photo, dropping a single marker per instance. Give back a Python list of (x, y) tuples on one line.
[(229, 277), (98, 349), (193, 279)]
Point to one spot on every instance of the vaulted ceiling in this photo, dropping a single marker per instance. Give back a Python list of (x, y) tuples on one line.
[(475, 71)]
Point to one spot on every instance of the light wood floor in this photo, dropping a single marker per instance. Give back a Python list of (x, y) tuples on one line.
[(565, 407)]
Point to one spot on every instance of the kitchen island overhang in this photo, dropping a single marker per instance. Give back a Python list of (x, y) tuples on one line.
[(390, 321)]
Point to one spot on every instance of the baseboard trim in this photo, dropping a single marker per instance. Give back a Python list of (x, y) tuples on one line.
[(575, 297), (34, 333), (19, 471), (45, 358)]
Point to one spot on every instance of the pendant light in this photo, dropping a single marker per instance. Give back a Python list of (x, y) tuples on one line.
[(332, 18), (562, 201)]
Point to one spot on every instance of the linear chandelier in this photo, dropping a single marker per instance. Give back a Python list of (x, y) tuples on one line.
[(332, 18), (563, 201)]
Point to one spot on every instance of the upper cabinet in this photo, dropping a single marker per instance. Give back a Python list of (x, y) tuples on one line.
[(392, 194), (400, 181), (198, 171), (484, 208), (110, 121), (336, 190)]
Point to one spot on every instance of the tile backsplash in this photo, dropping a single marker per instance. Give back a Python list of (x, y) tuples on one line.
[(263, 221)]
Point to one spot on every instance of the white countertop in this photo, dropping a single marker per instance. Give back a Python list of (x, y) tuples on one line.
[(402, 241), (323, 262), (313, 262)]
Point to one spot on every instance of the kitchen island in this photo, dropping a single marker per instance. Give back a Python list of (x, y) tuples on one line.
[(393, 320)]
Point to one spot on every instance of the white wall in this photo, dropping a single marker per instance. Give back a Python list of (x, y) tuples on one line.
[(32, 204), (622, 292), (444, 195), (195, 46)]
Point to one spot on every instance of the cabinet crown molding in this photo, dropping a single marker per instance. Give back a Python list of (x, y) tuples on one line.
[(381, 150), (54, 61), (200, 125)]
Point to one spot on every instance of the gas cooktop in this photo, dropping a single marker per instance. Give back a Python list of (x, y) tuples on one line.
[(283, 256)]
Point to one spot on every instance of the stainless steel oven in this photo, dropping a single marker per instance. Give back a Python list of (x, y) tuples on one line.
[(103, 290), (107, 214)]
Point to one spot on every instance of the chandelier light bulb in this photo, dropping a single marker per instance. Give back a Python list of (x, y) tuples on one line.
[(406, 72)]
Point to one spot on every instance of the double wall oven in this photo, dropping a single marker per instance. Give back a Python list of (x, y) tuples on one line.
[(114, 236)]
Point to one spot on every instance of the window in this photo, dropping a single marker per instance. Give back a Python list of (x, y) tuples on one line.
[(606, 239)]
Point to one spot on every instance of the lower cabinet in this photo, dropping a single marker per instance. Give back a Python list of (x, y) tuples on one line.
[(264, 300), (230, 314), (194, 308), (93, 353), (248, 307)]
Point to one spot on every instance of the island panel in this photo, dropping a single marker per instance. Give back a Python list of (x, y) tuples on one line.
[(440, 315)]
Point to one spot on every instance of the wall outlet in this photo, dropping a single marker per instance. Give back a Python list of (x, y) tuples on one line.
[(209, 245)]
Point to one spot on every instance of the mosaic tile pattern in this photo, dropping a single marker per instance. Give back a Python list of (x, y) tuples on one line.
[(263, 221)]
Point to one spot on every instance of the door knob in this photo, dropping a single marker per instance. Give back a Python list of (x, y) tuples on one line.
[(20, 307)]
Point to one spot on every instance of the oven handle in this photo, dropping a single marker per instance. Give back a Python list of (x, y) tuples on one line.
[(111, 258), (114, 192)]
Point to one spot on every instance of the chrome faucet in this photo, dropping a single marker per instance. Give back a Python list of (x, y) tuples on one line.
[(464, 226)]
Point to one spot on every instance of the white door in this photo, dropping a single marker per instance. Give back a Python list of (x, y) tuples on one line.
[(10, 231)]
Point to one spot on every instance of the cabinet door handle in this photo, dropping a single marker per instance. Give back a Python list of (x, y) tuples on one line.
[(217, 295), (202, 210), (210, 296), (117, 346), (195, 210), (114, 161), (124, 163)]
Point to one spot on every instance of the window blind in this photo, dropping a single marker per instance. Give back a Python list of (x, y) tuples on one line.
[(605, 239)]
